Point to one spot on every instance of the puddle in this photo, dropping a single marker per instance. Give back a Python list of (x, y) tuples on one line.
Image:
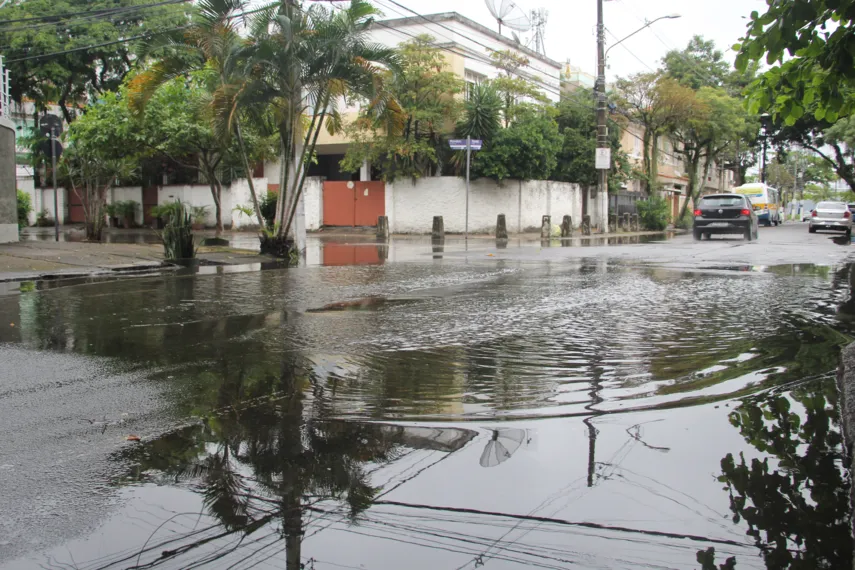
[(586, 414)]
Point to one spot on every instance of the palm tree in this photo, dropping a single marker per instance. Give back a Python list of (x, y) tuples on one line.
[(309, 61), (210, 43)]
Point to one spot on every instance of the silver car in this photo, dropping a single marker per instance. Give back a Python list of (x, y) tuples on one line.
[(831, 216)]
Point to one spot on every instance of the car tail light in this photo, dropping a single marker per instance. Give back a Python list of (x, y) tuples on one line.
[(745, 212), (697, 213), (813, 213), (847, 214)]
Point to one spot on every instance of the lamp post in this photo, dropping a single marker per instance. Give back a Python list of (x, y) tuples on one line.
[(764, 121), (603, 148)]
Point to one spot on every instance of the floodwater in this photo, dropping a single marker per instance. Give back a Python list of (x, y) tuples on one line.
[(427, 415)]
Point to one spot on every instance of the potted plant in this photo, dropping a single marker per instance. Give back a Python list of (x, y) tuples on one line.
[(112, 211), (127, 212), (199, 213)]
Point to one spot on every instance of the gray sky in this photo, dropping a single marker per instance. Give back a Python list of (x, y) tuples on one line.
[(571, 26)]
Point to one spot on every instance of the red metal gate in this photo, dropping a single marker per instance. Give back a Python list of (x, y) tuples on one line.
[(76, 215), (353, 204)]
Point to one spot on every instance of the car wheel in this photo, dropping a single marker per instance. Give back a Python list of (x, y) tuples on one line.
[(812, 229), (707, 235), (849, 234), (697, 235), (748, 235)]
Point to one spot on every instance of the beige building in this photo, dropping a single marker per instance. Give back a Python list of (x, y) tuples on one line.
[(671, 174)]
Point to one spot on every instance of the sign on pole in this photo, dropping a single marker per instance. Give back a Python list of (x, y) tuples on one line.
[(460, 144), (603, 159)]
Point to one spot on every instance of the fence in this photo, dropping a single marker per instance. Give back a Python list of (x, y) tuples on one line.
[(624, 203)]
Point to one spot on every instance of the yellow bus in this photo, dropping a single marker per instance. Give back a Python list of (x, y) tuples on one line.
[(765, 200)]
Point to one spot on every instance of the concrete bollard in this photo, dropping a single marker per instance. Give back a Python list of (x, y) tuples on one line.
[(501, 227), (382, 227), (635, 223), (586, 225), (545, 227), (567, 227), (626, 222), (438, 247), (613, 223), (438, 231)]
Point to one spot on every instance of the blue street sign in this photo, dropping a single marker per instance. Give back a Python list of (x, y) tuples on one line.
[(460, 144)]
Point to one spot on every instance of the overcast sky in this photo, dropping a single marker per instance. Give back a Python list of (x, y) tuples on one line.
[(570, 30)]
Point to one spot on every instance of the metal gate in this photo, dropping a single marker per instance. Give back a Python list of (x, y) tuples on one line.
[(76, 214), (149, 197), (624, 203), (352, 204)]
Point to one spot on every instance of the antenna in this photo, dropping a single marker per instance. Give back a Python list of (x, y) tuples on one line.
[(538, 20), (508, 13)]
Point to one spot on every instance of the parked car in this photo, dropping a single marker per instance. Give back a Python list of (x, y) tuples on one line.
[(831, 216), (806, 216), (725, 214)]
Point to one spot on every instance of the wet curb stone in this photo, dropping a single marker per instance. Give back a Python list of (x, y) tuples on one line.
[(846, 388)]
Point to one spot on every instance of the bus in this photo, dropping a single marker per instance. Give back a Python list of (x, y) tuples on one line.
[(766, 201)]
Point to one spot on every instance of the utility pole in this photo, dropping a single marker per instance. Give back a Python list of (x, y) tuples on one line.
[(603, 149)]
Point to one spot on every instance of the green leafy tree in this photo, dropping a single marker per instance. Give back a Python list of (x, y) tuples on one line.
[(713, 125), (577, 124), (305, 63), (808, 45), (24, 207), (513, 86), (482, 113), (699, 65), (658, 104), (69, 79), (526, 150), (411, 144), (210, 44)]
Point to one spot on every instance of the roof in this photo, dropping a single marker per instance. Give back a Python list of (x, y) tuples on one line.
[(454, 16)]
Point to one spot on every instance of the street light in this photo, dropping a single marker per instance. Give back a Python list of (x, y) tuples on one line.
[(603, 165)]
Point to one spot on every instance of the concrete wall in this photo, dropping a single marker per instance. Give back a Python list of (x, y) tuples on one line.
[(8, 194), (411, 207), (200, 195), (313, 198), (125, 193)]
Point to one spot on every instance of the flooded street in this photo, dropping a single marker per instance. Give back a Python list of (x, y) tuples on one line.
[(431, 409)]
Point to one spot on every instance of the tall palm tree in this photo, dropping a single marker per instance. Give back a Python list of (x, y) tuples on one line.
[(212, 43), (310, 60)]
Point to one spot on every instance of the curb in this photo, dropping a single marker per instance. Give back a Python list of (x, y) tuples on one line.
[(846, 389)]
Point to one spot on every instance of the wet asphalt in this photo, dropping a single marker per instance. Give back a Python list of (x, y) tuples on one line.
[(449, 405)]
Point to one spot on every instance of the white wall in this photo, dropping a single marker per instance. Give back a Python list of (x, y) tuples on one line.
[(125, 193), (411, 207), (196, 195), (313, 198)]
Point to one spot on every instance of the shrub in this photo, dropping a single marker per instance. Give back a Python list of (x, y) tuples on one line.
[(653, 213), (177, 236), (268, 208), (24, 209), (43, 220), (685, 222)]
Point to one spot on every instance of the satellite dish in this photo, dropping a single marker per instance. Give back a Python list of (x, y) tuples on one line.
[(503, 443), (515, 37), (508, 13)]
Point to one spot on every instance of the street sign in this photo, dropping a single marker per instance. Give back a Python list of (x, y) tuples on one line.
[(460, 144), (48, 123), (603, 159)]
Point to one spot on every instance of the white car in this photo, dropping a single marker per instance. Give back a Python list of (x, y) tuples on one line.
[(831, 216)]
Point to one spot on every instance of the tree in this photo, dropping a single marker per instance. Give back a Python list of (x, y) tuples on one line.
[(513, 88), (699, 65), (97, 154), (482, 112), (658, 104), (425, 91), (211, 43), (69, 79), (306, 62), (714, 124), (809, 47), (526, 150), (577, 124)]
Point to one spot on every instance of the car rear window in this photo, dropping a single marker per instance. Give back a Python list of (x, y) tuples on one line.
[(831, 206), (722, 201)]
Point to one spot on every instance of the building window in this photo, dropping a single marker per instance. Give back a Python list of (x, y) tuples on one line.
[(472, 78)]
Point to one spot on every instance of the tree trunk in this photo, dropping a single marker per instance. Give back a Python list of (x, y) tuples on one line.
[(248, 173), (653, 173), (216, 193)]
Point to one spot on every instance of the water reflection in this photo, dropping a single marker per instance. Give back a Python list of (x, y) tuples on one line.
[(794, 495), (502, 445)]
